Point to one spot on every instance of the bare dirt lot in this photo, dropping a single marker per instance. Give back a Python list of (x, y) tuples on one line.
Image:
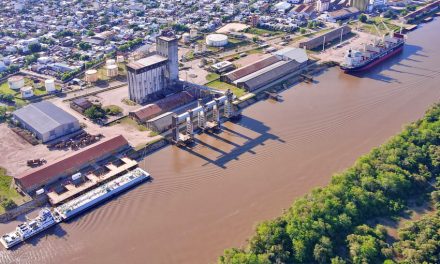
[(114, 97), (15, 151)]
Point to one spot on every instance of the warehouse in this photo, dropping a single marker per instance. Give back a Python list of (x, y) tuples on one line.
[(46, 121), (268, 70), (326, 38), (50, 173)]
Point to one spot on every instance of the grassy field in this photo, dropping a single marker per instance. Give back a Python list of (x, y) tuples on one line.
[(262, 32), (224, 86), (130, 122), (6, 192), (39, 90), (212, 76)]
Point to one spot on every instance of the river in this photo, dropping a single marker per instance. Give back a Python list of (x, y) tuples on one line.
[(208, 198)]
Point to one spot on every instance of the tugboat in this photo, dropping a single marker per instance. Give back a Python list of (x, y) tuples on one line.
[(361, 60)]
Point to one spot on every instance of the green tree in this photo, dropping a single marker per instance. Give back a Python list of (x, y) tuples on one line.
[(84, 46), (34, 47), (95, 112), (323, 250), (363, 18)]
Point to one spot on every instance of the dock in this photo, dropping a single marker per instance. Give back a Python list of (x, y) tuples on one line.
[(307, 78), (91, 180)]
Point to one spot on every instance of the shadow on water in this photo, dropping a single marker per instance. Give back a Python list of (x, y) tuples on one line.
[(376, 72), (254, 125), (56, 231)]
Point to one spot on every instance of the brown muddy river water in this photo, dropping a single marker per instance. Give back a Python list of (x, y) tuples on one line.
[(210, 197)]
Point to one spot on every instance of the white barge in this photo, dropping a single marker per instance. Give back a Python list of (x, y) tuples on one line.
[(103, 192)]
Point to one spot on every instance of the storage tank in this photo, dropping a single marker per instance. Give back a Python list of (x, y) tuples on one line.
[(112, 70), (50, 85), (110, 62), (216, 40), (91, 76), (120, 58), (186, 38), (193, 32), (27, 92), (16, 82)]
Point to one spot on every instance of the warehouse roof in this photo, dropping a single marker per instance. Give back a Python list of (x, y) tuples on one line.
[(282, 69), (258, 65), (44, 116), (75, 161), (300, 55)]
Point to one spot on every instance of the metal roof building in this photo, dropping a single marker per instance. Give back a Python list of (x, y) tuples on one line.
[(50, 173), (268, 70), (46, 120)]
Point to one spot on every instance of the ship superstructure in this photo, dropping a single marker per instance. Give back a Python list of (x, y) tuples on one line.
[(43, 221), (372, 54)]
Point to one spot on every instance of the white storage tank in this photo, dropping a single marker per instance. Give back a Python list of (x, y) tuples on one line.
[(16, 82), (216, 40), (120, 58), (110, 62), (27, 92), (112, 70), (50, 85), (186, 38), (91, 76), (193, 32)]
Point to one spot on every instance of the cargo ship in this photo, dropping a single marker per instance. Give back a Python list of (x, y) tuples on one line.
[(43, 221), (373, 54), (101, 193)]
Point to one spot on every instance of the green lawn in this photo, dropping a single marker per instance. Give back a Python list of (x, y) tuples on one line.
[(39, 89), (130, 122), (212, 76), (224, 86), (6, 192), (261, 32)]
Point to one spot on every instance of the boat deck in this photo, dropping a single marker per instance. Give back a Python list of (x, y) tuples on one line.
[(92, 180)]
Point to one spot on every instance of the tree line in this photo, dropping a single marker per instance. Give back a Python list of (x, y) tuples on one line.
[(330, 225)]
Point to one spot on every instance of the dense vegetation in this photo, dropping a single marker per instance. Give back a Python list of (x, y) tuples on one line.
[(7, 194), (95, 112), (329, 225)]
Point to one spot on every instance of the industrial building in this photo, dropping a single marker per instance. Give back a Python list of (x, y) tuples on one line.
[(46, 120), (326, 38), (150, 77), (161, 106), (52, 172), (268, 70)]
